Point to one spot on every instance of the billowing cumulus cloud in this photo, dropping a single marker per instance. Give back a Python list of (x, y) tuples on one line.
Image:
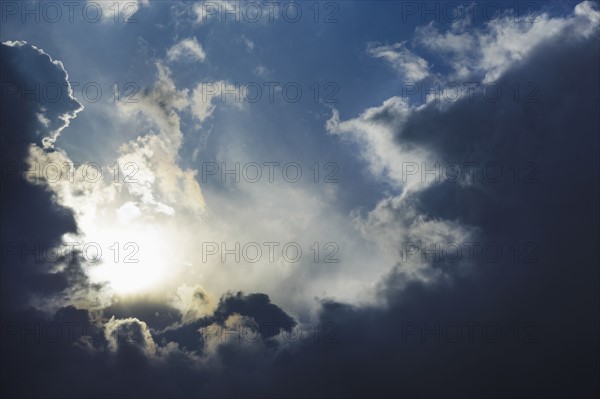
[(129, 332), (148, 185), (488, 52)]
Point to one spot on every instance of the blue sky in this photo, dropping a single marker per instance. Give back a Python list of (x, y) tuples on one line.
[(332, 50)]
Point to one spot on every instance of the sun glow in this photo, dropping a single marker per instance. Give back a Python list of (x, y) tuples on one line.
[(132, 256)]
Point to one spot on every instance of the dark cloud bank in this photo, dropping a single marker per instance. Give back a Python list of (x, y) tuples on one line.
[(547, 311)]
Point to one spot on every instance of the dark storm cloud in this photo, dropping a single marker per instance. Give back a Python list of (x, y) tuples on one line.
[(156, 314), (555, 299), (30, 218), (510, 329), (268, 320), (73, 354)]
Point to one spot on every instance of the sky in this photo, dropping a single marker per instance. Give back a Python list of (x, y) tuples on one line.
[(299, 199)]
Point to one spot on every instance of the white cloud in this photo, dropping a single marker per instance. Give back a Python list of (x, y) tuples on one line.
[(249, 44), (187, 49), (397, 228), (486, 53), (161, 184), (206, 94), (261, 71), (375, 130), (130, 331), (193, 302), (408, 64), (43, 120)]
